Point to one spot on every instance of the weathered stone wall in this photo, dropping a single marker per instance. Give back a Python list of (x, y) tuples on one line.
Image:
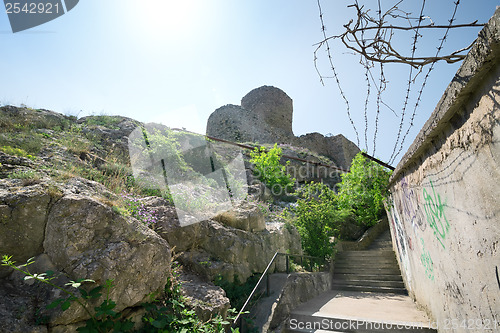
[(299, 288), (337, 147), (265, 116), (444, 211), (273, 106)]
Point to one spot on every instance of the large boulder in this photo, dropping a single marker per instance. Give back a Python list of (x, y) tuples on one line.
[(23, 216), (205, 298), (247, 216), (86, 239)]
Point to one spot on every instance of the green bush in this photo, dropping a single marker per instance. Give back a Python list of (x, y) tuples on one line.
[(363, 189), (269, 170), (16, 152), (321, 214), (317, 219)]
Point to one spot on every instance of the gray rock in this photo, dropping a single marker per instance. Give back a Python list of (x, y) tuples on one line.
[(207, 299), (210, 248), (17, 310), (23, 215), (86, 239), (246, 216), (337, 148)]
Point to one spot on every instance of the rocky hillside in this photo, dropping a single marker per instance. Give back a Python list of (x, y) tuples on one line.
[(71, 198)]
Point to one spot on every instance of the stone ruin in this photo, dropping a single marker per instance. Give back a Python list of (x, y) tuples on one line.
[(265, 116)]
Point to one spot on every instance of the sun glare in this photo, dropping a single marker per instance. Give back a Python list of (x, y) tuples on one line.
[(174, 18)]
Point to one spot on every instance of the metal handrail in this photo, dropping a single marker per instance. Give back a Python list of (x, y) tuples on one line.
[(266, 273)]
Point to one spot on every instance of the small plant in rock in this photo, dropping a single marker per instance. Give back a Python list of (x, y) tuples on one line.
[(167, 314), (28, 177), (135, 208), (16, 152), (170, 313)]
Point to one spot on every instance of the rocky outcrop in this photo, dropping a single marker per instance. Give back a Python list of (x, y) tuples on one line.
[(87, 239), (246, 217), (210, 248), (23, 217), (338, 148), (265, 116), (78, 236)]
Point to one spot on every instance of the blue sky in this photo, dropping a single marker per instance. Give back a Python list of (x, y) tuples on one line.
[(175, 62)]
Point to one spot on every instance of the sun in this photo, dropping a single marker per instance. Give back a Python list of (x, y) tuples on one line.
[(174, 18)]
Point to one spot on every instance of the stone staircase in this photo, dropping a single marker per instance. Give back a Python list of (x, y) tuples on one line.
[(375, 269), (368, 295)]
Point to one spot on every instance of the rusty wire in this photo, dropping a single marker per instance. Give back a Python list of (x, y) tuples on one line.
[(378, 48)]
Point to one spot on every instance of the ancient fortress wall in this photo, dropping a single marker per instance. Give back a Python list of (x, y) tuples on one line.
[(265, 116), (445, 198)]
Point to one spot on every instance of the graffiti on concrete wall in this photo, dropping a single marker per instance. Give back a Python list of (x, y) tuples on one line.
[(409, 206), (401, 242), (436, 217), (426, 260)]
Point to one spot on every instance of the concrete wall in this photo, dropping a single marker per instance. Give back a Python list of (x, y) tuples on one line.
[(445, 198)]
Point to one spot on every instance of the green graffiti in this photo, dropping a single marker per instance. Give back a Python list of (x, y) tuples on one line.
[(434, 210), (426, 260)]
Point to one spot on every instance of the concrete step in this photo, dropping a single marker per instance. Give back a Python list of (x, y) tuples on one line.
[(366, 253), (367, 265), (387, 286), (318, 324), (386, 246), (387, 242), (368, 277), (367, 270), (360, 260), (370, 283), (375, 289)]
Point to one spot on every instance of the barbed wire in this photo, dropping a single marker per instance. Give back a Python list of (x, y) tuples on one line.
[(410, 80), (424, 82), (377, 47), (382, 85), (323, 29)]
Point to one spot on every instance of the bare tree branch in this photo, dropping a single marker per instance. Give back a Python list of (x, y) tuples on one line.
[(379, 48)]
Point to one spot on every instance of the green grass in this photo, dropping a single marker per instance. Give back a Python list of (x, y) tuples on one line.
[(16, 152)]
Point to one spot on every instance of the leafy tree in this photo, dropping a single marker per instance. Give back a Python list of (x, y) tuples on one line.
[(317, 219), (269, 170), (363, 190), (321, 214)]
